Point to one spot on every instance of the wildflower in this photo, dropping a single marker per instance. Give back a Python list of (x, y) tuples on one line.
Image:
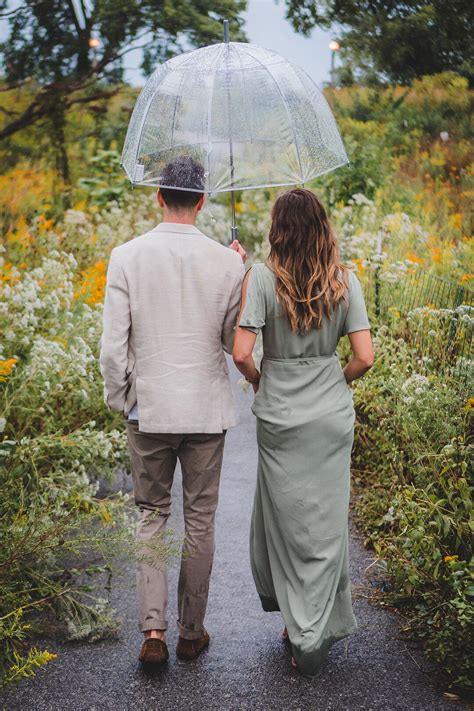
[(6, 366), (455, 221), (449, 558), (414, 258), (105, 516), (416, 379)]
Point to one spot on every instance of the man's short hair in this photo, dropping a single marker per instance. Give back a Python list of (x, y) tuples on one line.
[(184, 172)]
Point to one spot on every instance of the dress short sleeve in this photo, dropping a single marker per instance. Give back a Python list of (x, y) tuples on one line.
[(254, 313), (356, 317)]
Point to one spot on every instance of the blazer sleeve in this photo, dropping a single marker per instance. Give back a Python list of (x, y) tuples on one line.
[(230, 319), (116, 330)]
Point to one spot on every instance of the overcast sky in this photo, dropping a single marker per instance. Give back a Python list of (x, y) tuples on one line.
[(266, 26)]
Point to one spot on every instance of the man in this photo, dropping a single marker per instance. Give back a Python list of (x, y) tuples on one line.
[(171, 303)]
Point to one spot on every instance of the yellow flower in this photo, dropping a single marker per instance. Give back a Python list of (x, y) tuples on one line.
[(21, 235), (466, 277), (105, 516), (449, 558), (44, 224), (359, 263), (92, 286), (6, 367), (455, 221), (469, 404), (414, 258)]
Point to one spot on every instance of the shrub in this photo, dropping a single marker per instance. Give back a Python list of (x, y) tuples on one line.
[(413, 498)]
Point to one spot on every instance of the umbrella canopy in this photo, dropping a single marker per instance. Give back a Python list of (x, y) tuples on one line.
[(247, 115)]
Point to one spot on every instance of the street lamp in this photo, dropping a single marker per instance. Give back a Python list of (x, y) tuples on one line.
[(334, 47), (94, 44)]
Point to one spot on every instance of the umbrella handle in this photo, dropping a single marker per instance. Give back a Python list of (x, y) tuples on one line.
[(233, 229)]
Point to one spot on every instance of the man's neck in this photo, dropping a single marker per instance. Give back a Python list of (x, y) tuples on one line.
[(179, 218)]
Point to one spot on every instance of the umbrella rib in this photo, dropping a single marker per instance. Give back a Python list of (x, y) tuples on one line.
[(286, 109), (142, 126), (209, 115), (145, 113), (249, 125)]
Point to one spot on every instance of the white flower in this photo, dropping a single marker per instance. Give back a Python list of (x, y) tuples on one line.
[(416, 383)]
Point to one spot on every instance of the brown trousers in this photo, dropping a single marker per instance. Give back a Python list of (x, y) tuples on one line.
[(153, 458)]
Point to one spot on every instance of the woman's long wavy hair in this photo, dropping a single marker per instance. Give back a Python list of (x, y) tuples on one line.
[(304, 256)]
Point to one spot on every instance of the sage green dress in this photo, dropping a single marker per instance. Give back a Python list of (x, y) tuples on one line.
[(305, 430)]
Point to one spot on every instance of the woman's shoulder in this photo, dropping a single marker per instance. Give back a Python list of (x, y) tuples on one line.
[(260, 270), (256, 266), (351, 279)]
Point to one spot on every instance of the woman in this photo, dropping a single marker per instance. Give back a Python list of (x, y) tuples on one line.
[(303, 300)]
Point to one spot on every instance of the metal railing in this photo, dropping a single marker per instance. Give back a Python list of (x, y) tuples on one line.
[(434, 314)]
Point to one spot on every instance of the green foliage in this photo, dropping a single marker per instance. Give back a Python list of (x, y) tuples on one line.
[(58, 442), (370, 161), (70, 53), (106, 181), (398, 40), (413, 498)]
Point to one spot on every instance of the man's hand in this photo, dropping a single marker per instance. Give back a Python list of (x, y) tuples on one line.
[(237, 247)]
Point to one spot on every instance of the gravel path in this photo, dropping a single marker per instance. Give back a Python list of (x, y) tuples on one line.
[(247, 666)]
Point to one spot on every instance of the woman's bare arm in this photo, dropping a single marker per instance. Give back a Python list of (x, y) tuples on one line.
[(244, 343), (362, 355)]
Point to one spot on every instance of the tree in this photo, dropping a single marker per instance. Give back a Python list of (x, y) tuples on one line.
[(70, 52), (399, 40)]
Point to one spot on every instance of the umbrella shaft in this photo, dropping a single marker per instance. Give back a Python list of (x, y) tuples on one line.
[(233, 229)]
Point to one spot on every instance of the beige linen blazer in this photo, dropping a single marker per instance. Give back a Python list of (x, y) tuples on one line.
[(171, 304)]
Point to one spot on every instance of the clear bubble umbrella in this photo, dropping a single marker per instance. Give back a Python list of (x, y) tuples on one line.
[(251, 118)]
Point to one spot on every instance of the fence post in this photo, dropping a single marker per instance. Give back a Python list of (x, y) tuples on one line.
[(453, 326), (377, 273), (377, 290)]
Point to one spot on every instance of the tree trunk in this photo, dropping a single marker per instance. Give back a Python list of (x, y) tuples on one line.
[(58, 123)]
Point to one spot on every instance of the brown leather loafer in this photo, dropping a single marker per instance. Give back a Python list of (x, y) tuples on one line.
[(191, 648), (153, 651)]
